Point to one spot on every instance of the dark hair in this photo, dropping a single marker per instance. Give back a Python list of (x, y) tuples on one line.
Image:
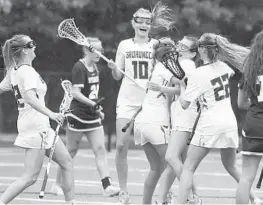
[(12, 48), (163, 49), (253, 65), (209, 42)]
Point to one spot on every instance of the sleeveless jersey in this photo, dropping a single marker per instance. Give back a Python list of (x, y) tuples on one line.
[(137, 62), (30, 122), (156, 105), (210, 85), (89, 84)]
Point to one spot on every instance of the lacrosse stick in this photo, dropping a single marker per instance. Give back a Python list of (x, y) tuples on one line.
[(67, 29), (131, 120), (135, 114), (260, 179), (64, 107), (170, 61)]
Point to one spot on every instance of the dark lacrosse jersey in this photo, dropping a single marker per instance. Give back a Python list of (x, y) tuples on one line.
[(89, 84), (253, 126)]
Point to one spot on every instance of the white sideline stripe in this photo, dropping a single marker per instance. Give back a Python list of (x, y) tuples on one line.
[(112, 157), (87, 183), (114, 170), (61, 201)]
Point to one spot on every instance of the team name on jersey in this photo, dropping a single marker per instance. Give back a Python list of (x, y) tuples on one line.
[(139, 54), (94, 79)]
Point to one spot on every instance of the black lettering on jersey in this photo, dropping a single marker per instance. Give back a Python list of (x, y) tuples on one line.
[(18, 96), (140, 69), (221, 87), (139, 54)]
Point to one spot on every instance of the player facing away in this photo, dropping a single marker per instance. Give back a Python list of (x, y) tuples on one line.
[(182, 122), (85, 118), (35, 135), (152, 125), (250, 97), (135, 57), (209, 84)]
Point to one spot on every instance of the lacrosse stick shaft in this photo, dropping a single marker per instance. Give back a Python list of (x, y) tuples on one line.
[(194, 127), (131, 120), (260, 179), (52, 150), (120, 70)]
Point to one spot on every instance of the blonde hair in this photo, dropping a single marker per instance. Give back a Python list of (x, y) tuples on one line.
[(228, 52), (11, 50), (161, 16)]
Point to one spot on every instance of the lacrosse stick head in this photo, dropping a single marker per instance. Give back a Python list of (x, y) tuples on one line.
[(68, 29), (68, 97), (170, 61)]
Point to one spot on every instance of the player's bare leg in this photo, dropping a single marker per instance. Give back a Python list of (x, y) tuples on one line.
[(194, 156), (155, 155), (97, 141), (175, 156), (249, 171), (64, 160), (122, 146), (72, 143), (228, 157), (32, 166)]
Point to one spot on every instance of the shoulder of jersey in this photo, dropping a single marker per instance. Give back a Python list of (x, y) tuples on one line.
[(24, 67), (127, 41)]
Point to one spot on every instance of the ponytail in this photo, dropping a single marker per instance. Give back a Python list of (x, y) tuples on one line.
[(8, 55), (232, 53)]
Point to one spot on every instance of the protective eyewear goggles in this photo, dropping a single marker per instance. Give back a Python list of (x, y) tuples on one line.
[(30, 44), (206, 45), (141, 20)]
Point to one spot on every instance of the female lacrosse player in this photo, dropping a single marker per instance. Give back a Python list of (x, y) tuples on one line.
[(152, 125), (34, 132), (85, 118), (135, 57), (182, 121), (209, 84), (250, 97)]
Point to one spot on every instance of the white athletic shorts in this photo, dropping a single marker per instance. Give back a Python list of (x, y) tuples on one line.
[(126, 111), (182, 120), (154, 134), (36, 140), (224, 140)]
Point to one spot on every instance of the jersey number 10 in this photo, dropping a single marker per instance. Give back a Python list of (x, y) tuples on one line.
[(140, 69)]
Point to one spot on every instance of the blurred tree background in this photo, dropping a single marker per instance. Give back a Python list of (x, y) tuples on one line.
[(238, 20)]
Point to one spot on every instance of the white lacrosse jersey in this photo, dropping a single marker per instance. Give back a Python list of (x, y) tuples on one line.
[(189, 68), (30, 122), (210, 85), (137, 62), (5, 84), (156, 105)]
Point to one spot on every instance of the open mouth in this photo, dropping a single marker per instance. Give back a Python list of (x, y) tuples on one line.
[(143, 30)]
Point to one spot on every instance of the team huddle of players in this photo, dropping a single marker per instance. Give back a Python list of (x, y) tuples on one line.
[(179, 122)]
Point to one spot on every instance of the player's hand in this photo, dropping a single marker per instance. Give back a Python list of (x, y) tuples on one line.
[(58, 117), (112, 65), (153, 86)]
